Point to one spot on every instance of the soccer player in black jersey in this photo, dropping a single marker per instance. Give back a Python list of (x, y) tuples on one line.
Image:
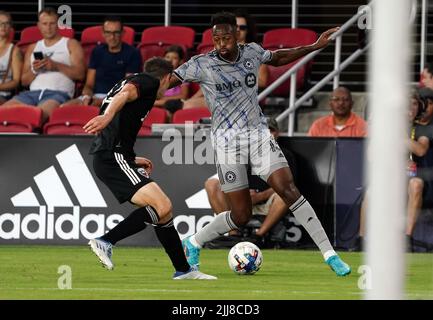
[(127, 176)]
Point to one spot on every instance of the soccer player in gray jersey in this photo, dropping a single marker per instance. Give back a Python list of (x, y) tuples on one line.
[(240, 136)]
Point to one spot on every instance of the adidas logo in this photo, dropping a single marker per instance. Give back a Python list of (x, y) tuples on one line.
[(48, 224)]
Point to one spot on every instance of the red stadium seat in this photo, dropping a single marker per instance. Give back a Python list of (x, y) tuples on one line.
[(92, 36), (155, 40), (275, 72), (20, 119), (156, 115), (193, 88), (70, 119), (194, 115), (32, 34), (11, 34), (206, 43), (287, 38)]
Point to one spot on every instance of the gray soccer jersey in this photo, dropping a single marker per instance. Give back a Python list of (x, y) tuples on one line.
[(230, 88), (240, 134)]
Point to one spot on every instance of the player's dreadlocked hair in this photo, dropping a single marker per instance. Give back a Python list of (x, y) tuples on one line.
[(224, 17), (158, 67)]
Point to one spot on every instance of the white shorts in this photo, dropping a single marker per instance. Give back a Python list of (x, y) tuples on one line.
[(256, 148)]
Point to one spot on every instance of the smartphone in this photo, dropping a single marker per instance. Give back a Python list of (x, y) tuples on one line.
[(38, 55)]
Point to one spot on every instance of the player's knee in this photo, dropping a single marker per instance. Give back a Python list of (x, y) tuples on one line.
[(290, 194), (164, 209), (416, 186), (242, 216)]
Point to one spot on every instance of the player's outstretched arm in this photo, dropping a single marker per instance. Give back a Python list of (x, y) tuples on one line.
[(284, 56), (127, 94)]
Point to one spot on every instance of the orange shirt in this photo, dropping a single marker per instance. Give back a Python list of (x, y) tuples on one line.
[(325, 127)]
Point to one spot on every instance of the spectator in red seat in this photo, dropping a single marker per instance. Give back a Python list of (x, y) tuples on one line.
[(51, 66), (246, 33), (109, 63), (342, 122), (11, 60), (175, 55)]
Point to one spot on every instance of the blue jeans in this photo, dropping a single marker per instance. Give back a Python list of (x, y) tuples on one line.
[(37, 97)]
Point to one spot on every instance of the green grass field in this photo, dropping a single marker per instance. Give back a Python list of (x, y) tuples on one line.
[(31, 272)]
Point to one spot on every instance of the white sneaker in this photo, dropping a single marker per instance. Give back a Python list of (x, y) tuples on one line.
[(103, 251), (192, 274)]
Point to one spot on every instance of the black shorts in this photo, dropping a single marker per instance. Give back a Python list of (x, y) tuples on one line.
[(120, 174)]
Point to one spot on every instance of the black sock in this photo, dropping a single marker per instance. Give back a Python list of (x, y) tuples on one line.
[(134, 223), (170, 240)]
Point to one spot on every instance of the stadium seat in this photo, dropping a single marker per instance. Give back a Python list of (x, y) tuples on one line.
[(156, 115), (70, 119), (11, 34), (32, 34), (155, 40), (287, 38), (20, 119), (194, 115), (206, 43), (193, 88), (92, 36), (275, 72)]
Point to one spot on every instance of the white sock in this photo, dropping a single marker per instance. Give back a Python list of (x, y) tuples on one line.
[(305, 215), (222, 224)]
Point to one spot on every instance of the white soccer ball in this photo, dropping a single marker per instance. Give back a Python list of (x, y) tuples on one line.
[(245, 258)]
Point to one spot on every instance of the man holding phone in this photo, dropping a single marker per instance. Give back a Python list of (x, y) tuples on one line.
[(51, 66)]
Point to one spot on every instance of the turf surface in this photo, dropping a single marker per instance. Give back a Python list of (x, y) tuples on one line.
[(31, 272)]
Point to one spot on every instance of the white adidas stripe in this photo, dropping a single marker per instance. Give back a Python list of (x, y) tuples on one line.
[(126, 168), (153, 215)]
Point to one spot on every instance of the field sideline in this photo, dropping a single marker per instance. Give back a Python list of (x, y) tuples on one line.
[(31, 272)]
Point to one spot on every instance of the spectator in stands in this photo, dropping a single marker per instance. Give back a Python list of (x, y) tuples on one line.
[(10, 60), (51, 66), (109, 63), (175, 55), (427, 76), (421, 186), (419, 167), (342, 122), (265, 200), (246, 33)]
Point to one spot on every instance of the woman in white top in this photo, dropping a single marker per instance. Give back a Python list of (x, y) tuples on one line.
[(10, 60)]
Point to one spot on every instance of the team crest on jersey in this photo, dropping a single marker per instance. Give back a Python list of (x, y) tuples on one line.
[(143, 172), (248, 63), (230, 176), (250, 80)]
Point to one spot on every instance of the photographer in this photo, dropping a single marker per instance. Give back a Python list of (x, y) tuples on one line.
[(420, 163)]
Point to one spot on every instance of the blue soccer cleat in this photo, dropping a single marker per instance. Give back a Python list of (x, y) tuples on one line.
[(192, 253), (338, 266)]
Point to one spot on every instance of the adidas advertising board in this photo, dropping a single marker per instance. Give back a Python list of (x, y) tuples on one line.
[(50, 194)]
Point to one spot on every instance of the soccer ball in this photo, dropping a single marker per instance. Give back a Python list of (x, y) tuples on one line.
[(245, 258)]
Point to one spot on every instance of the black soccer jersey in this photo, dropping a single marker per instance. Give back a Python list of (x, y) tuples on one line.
[(121, 132)]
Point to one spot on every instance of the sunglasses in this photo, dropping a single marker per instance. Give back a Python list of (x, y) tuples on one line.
[(243, 27)]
